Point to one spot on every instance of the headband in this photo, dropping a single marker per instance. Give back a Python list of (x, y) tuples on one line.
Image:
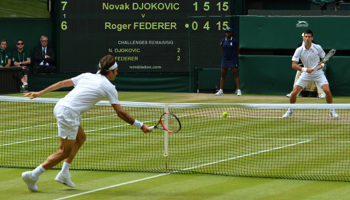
[(111, 68)]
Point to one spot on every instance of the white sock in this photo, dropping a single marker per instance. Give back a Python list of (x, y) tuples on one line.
[(65, 168), (38, 171), (238, 89), (25, 83), (221, 90)]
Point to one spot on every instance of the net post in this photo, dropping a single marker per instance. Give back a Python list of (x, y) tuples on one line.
[(166, 109)]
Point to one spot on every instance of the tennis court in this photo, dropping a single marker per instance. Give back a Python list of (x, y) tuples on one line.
[(23, 9), (247, 143)]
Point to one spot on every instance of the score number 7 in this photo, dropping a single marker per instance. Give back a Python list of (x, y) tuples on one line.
[(64, 23), (64, 5)]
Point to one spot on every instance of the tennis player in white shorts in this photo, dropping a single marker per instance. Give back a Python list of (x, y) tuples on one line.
[(309, 54), (89, 89), (320, 92)]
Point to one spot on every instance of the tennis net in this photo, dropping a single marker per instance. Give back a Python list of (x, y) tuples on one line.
[(253, 141)]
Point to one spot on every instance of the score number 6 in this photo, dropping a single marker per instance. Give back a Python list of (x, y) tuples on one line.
[(64, 25)]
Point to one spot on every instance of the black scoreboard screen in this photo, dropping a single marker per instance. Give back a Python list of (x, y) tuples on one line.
[(141, 35)]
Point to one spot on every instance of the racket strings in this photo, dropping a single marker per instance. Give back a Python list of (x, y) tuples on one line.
[(329, 54), (173, 124)]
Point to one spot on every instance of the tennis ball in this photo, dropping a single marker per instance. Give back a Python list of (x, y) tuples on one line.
[(224, 114)]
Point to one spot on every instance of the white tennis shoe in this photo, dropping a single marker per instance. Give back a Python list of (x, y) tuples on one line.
[(239, 93), (322, 96), (288, 114), (31, 182), (334, 114), (64, 179), (288, 95), (219, 93)]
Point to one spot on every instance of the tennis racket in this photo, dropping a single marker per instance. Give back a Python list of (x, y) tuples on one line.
[(328, 56), (174, 124)]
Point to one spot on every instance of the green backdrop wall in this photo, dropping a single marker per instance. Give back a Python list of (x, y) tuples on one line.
[(259, 74), (338, 73), (281, 32)]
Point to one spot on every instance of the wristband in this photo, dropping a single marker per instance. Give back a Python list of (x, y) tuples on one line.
[(137, 124), (304, 69)]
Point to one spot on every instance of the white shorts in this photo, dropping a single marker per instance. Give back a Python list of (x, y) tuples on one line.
[(305, 79), (68, 122)]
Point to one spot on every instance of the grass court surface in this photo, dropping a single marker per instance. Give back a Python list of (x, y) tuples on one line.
[(131, 185), (24, 9)]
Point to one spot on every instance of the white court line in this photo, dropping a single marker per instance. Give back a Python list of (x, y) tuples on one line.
[(82, 120), (14, 11), (206, 137), (175, 136), (232, 137), (112, 186), (25, 141), (57, 136), (27, 127), (53, 123), (186, 169)]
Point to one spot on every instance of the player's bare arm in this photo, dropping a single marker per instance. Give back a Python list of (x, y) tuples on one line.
[(122, 114), (320, 66), (56, 86), (297, 67)]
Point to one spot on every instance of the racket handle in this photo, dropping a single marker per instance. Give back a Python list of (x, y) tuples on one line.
[(316, 66), (151, 128)]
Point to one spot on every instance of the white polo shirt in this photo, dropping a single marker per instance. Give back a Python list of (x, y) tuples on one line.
[(89, 89), (309, 57)]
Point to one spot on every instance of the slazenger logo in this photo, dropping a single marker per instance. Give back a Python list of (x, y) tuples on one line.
[(302, 24)]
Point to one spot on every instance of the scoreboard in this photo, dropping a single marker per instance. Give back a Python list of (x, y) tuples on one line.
[(142, 35)]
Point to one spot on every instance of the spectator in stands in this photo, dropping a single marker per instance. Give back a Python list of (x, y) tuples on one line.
[(44, 58), (21, 58), (5, 57), (230, 49)]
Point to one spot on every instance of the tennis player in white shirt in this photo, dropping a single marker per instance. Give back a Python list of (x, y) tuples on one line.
[(89, 89), (310, 55)]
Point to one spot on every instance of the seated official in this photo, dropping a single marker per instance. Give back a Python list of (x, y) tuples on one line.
[(44, 58)]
